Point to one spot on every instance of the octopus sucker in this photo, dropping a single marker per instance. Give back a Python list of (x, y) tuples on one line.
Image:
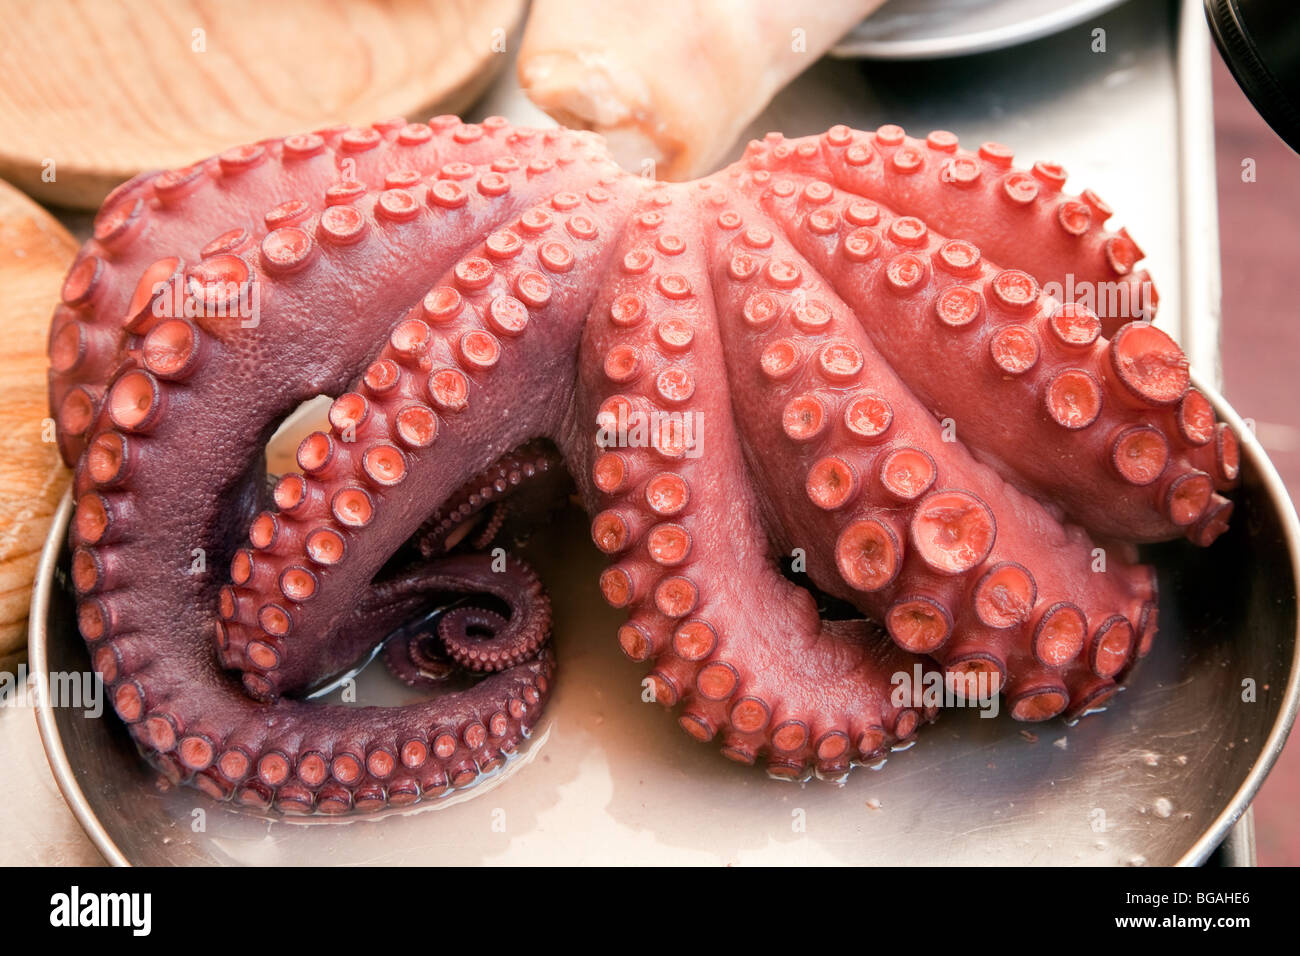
[(847, 351)]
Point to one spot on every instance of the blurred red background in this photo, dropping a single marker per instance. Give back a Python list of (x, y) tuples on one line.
[(1259, 227)]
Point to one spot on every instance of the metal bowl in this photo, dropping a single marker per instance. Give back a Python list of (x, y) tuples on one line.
[(1159, 778)]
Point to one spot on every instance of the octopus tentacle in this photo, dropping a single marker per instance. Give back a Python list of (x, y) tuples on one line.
[(190, 376), (953, 324), (483, 641), (1014, 215), (471, 637), (493, 488), (424, 400), (492, 527), (736, 371), (476, 638), (416, 655), (765, 676), (154, 228), (174, 700), (908, 527)]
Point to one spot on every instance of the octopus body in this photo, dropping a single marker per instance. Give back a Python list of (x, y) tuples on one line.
[(839, 354)]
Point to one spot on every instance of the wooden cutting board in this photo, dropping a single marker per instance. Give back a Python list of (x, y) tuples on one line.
[(96, 91), (35, 252)]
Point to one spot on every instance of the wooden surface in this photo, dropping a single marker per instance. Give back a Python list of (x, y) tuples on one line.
[(35, 252), (96, 91)]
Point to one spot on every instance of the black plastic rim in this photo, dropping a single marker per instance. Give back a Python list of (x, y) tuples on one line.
[(1260, 41)]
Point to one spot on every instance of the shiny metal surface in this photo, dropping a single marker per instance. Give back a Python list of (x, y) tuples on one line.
[(615, 780), (921, 29)]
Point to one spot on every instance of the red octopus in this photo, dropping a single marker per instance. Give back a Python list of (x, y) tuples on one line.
[(837, 353)]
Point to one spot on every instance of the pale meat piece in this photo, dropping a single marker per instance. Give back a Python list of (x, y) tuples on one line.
[(675, 82)]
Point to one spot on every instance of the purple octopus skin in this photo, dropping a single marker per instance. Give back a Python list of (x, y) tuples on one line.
[(755, 365)]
